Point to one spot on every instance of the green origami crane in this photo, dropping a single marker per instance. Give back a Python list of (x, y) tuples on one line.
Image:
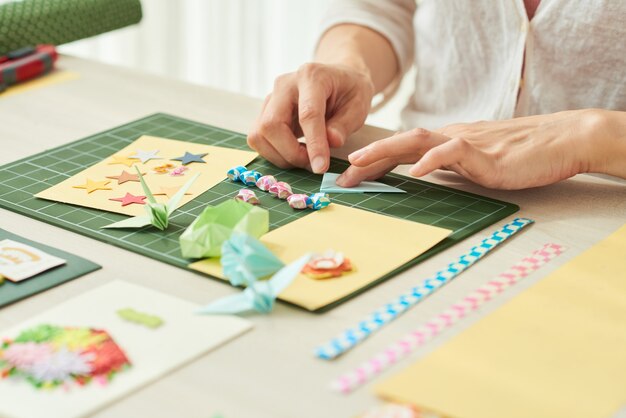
[(158, 214)]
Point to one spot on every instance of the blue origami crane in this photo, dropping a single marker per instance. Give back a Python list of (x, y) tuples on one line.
[(244, 261)]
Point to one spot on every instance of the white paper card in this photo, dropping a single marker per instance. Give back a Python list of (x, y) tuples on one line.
[(20, 261), (152, 352)]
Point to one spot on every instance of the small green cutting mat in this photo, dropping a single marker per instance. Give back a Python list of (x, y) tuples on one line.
[(428, 203)]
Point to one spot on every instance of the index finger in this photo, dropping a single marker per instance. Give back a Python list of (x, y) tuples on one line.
[(312, 118), (413, 142)]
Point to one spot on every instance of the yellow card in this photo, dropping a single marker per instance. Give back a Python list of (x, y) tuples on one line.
[(376, 244), (96, 185), (55, 77), (556, 350)]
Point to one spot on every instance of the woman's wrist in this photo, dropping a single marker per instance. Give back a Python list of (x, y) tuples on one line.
[(605, 131)]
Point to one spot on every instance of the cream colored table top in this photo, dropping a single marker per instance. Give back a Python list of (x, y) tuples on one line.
[(269, 372)]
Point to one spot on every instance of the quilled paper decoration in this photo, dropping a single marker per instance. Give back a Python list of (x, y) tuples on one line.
[(164, 168), (131, 315), (234, 173), (248, 196), (327, 265), (179, 171), (299, 201), (49, 356)]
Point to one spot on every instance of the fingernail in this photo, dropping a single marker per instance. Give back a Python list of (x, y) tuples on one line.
[(357, 154), (340, 180), (318, 164)]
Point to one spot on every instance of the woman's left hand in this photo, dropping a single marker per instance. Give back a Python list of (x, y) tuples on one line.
[(511, 154)]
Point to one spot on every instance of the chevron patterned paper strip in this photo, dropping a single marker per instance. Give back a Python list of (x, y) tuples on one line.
[(395, 352), (379, 318)]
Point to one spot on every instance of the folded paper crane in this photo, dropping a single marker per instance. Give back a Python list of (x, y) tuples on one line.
[(245, 260), (215, 225), (157, 214)]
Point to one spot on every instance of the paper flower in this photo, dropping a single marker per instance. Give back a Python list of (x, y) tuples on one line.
[(26, 354), (327, 265), (245, 259), (205, 236), (48, 356), (157, 214), (260, 295), (60, 366)]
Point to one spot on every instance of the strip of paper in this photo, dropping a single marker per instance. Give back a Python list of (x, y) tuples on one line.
[(384, 315)]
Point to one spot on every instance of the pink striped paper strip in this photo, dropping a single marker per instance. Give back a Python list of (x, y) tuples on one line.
[(395, 352)]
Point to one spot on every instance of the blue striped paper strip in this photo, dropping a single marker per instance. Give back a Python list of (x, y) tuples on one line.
[(379, 318)]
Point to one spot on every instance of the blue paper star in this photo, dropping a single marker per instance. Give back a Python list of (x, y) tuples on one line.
[(190, 158)]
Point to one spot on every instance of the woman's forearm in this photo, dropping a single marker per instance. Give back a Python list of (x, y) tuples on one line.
[(607, 130), (362, 49)]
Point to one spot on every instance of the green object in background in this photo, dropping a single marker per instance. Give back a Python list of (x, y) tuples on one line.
[(74, 268), (432, 204), (33, 22)]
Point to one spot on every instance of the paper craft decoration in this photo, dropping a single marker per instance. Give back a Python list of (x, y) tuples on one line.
[(19, 261), (329, 185), (189, 158), (150, 321), (217, 161), (245, 259), (124, 177), (377, 245), (91, 186), (205, 236), (327, 265), (129, 199), (415, 339), (157, 214), (145, 156), (387, 313), (48, 356), (555, 350), (74, 267), (259, 295), (182, 337)]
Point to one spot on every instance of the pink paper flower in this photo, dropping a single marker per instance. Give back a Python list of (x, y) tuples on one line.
[(60, 366), (21, 355)]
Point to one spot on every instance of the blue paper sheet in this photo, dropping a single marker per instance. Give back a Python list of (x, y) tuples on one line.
[(329, 185)]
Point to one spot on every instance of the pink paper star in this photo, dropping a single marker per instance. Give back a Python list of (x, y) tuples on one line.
[(130, 199)]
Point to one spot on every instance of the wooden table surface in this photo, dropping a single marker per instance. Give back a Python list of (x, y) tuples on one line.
[(271, 371)]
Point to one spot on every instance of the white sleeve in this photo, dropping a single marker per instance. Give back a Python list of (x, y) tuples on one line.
[(391, 18)]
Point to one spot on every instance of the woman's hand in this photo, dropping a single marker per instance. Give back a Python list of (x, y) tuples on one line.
[(510, 154), (325, 103)]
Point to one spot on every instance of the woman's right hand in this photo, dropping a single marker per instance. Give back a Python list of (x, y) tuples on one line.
[(324, 103)]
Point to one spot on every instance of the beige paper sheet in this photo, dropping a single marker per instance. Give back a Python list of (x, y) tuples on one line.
[(556, 350), (376, 244), (218, 161)]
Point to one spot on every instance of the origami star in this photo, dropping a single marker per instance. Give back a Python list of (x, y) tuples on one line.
[(127, 161), (92, 186), (145, 156), (190, 158), (129, 199), (124, 177), (168, 191)]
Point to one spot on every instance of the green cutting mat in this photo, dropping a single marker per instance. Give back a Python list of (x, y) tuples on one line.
[(464, 213), (74, 268)]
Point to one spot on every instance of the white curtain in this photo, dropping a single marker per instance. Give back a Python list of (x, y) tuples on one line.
[(235, 45)]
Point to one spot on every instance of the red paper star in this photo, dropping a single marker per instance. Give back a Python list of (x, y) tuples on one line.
[(130, 199)]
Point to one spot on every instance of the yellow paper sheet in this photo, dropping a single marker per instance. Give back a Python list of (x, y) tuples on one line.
[(218, 161), (556, 350), (376, 244), (54, 77)]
